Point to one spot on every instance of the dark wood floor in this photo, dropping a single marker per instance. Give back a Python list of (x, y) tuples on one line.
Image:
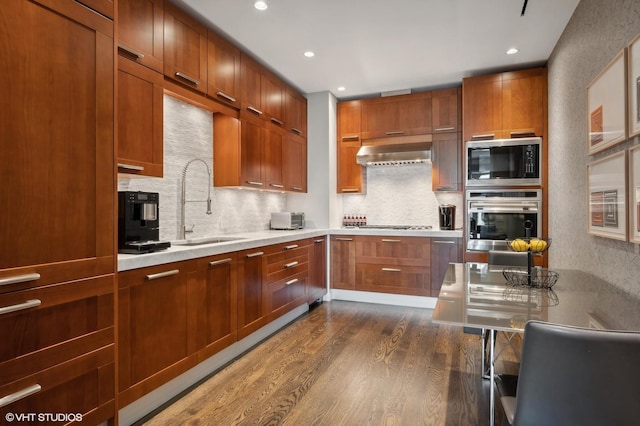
[(348, 363)]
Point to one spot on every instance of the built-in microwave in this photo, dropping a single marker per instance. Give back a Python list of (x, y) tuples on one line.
[(504, 162)]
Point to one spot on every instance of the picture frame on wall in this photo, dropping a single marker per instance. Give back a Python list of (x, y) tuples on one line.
[(633, 84), (634, 194), (607, 196), (607, 106)]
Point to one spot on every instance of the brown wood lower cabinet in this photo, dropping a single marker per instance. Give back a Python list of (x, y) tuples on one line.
[(287, 272), (398, 265), (213, 291), (317, 285), (443, 252), (58, 342), (157, 331), (392, 264), (176, 315)]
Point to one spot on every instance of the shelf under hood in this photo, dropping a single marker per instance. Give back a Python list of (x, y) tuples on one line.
[(394, 154)]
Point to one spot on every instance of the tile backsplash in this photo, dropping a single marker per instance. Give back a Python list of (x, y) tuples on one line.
[(401, 195), (188, 134)]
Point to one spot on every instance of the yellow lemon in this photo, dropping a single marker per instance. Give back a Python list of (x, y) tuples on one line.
[(538, 245), (519, 245)]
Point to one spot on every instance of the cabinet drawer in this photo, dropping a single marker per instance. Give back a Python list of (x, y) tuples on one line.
[(44, 326), (287, 263), (414, 251), (285, 291), (83, 386), (392, 278)]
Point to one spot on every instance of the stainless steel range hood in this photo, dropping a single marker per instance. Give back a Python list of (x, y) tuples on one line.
[(392, 151)]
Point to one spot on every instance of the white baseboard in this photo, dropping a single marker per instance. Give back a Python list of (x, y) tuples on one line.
[(383, 298), (151, 401)]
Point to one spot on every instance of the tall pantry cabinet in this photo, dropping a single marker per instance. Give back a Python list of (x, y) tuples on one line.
[(57, 196)]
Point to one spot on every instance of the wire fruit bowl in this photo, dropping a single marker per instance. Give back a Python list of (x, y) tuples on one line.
[(540, 278)]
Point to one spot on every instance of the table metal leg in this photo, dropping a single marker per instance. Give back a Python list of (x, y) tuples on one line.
[(491, 378)]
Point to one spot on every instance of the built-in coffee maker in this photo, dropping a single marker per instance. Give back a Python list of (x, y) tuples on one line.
[(139, 223), (447, 217)]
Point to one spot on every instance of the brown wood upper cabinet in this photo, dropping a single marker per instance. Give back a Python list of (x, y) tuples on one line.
[(392, 116), (446, 114), (505, 105), (223, 70), (446, 162), (140, 130), (350, 174), (185, 48), (141, 32), (295, 113), (294, 163), (263, 94)]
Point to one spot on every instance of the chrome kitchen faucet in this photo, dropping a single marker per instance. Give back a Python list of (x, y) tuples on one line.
[(183, 228)]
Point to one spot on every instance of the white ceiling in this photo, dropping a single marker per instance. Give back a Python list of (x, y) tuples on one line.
[(372, 46)]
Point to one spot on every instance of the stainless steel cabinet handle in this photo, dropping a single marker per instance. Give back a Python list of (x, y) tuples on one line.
[(253, 182), (481, 137), (522, 134), (255, 110), (443, 129), (19, 279), (275, 120), (298, 131), (351, 138), (256, 254), (291, 247), (387, 240), (291, 265), (350, 190), (19, 307), (391, 270), (344, 239), (225, 96), (16, 396), (395, 132), (130, 167), (131, 51), (186, 77), (276, 185), (445, 188), (162, 274), (296, 188), (442, 242), (319, 241), (293, 281), (220, 262)]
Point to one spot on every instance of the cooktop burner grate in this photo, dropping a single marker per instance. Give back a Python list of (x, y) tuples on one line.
[(402, 227)]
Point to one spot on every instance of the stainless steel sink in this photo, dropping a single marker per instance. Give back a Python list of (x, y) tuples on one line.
[(205, 240)]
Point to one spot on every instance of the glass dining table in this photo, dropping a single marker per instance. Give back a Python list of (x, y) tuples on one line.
[(477, 295)]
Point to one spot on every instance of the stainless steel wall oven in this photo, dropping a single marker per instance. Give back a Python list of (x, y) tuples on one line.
[(496, 215)]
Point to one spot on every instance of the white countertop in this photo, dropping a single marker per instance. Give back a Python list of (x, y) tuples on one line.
[(250, 240)]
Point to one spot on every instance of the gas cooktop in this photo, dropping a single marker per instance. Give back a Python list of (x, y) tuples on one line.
[(402, 227)]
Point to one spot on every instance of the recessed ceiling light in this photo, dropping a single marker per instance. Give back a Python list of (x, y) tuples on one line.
[(342, 89), (309, 54), (261, 5), (512, 51)]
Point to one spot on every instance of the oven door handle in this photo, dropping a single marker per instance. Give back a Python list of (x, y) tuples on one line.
[(503, 206)]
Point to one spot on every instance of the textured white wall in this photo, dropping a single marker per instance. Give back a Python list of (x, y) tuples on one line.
[(401, 195), (597, 31), (188, 134)]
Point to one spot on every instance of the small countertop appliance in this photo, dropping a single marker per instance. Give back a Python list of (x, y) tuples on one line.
[(139, 223)]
